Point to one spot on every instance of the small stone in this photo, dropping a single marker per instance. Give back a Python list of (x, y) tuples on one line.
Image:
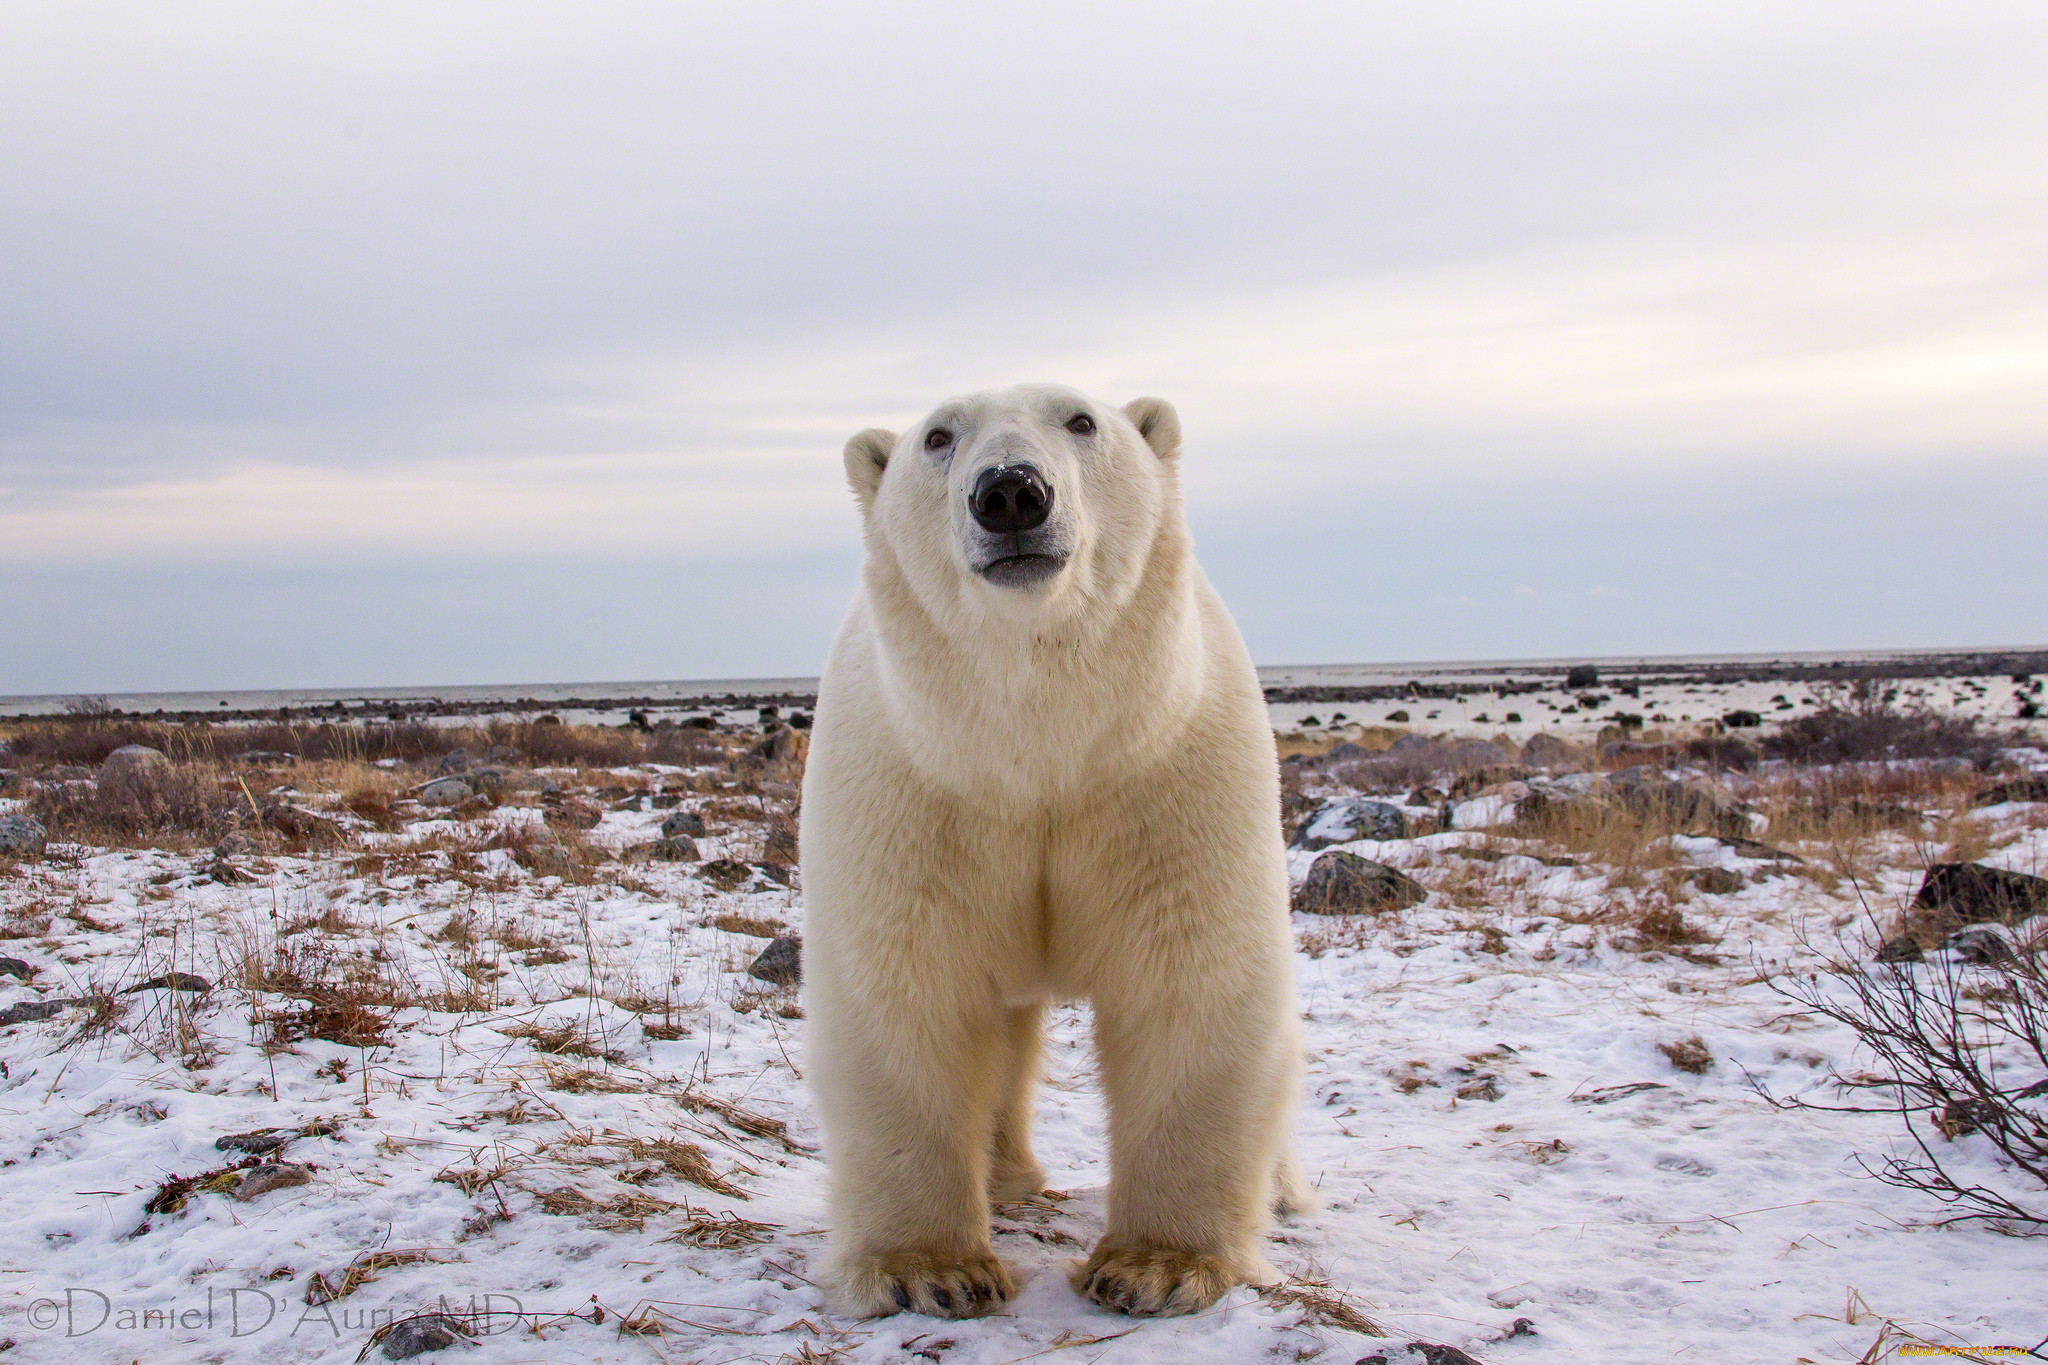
[(22, 836), (31, 1011), (1981, 945), (172, 981), (416, 1336), (257, 1143), (275, 1175), (1340, 883), (1441, 1355), (682, 822), (571, 812), (1718, 881), (454, 761), (725, 874), (678, 848), (780, 963)]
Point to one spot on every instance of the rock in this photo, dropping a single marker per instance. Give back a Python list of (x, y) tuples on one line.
[(676, 848), (257, 1143), (780, 963), (2032, 787), (1346, 750), (781, 743), (30, 1011), (571, 812), (1581, 675), (1757, 850), (1901, 949), (1692, 804), (22, 836), (131, 763), (454, 761), (1548, 751), (725, 874), (1975, 894), (487, 781), (1981, 945), (1340, 883), (294, 822), (443, 791), (1441, 1355), (548, 859), (686, 822), (410, 1337), (1718, 881), (172, 981), (234, 844), (274, 1175), (16, 968), (1549, 807), (1742, 720)]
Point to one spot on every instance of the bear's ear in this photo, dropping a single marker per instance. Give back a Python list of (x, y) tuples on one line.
[(867, 455), (1158, 423)]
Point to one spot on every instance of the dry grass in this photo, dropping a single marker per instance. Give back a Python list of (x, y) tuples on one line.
[(1320, 1306), (363, 1269)]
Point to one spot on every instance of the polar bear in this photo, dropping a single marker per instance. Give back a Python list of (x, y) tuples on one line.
[(1041, 769)]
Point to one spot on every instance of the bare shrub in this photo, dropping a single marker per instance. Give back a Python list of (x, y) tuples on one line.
[(154, 804), (1865, 721), (1958, 1050)]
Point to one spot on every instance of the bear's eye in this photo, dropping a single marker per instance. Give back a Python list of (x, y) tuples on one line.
[(938, 438), (1081, 424)]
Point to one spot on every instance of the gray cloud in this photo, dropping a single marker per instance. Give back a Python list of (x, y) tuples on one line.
[(1356, 244)]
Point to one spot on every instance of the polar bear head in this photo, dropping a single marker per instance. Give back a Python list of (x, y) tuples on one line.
[(1034, 501)]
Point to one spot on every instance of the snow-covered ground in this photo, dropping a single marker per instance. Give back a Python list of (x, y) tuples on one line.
[(1678, 708), (535, 1152)]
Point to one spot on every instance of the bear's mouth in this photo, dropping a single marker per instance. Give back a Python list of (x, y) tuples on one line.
[(1022, 571)]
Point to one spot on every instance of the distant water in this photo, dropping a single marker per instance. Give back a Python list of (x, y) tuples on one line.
[(685, 696)]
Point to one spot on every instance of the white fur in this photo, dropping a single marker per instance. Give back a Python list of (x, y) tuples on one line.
[(1019, 793)]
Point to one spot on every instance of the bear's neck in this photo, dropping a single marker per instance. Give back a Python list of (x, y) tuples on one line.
[(1110, 679)]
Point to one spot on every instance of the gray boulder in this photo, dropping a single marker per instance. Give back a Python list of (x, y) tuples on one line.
[(443, 791), (455, 761), (683, 822), (132, 763), (1340, 883), (22, 836), (1346, 818)]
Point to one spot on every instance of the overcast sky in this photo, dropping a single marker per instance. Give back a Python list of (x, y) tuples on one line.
[(362, 344)]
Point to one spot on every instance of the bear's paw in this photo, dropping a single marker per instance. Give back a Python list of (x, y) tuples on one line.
[(1154, 1282), (966, 1286)]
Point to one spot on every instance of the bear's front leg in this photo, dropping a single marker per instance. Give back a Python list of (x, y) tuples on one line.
[(1199, 1092), (908, 1101)]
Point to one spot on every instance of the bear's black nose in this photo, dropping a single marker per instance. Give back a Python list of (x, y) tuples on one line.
[(1010, 498)]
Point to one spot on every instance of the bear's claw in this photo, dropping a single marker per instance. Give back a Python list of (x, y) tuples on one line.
[(1148, 1282)]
